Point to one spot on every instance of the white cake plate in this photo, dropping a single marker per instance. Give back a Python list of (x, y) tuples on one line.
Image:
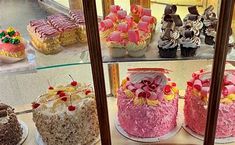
[(217, 141), (148, 140), (39, 140), (25, 132)]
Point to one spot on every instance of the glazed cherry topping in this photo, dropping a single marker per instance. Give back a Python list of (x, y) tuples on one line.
[(167, 89), (201, 71), (173, 84), (127, 78), (88, 92), (225, 92), (50, 88), (58, 92), (71, 108), (190, 84), (148, 94), (35, 105), (64, 99), (74, 83), (62, 94), (142, 95)]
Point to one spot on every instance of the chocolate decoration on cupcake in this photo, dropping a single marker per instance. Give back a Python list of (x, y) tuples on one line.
[(176, 18), (192, 17), (193, 10), (170, 9), (188, 34)]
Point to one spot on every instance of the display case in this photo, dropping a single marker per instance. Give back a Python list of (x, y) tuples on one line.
[(118, 72)]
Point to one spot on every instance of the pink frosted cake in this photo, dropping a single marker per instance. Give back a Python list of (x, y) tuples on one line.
[(196, 103), (147, 103)]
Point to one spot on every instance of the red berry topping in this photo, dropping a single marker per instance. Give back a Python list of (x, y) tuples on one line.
[(88, 92), (62, 94), (127, 79), (58, 92), (167, 89), (173, 84), (35, 105), (148, 94), (225, 92), (201, 71), (64, 99), (71, 108), (142, 95), (74, 83), (190, 84), (50, 88), (169, 79)]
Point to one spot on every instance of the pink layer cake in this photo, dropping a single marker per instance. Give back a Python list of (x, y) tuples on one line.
[(147, 103), (196, 103)]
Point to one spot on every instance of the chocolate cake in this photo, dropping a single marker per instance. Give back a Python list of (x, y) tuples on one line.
[(10, 130)]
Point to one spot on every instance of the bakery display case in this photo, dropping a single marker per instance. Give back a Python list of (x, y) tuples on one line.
[(142, 72)]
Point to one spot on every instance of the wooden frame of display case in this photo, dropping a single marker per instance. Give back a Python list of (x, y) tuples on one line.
[(222, 38)]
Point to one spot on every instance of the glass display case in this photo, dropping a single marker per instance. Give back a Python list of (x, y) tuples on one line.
[(117, 72)]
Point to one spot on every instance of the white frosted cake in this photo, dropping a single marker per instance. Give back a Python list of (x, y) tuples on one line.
[(66, 115)]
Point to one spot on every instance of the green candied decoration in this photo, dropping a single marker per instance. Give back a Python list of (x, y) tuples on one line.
[(6, 40), (2, 34), (11, 33), (14, 41)]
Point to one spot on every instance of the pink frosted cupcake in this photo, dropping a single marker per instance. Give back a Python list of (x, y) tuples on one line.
[(105, 28), (136, 46), (145, 31), (116, 44), (136, 12), (151, 20)]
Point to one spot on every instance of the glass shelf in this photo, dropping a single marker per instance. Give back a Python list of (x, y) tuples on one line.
[(78, 54)]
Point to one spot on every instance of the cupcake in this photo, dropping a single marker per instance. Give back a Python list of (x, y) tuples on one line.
[(151, 20), (136, 46), (116, 44), (170, 15), (168, 42), (145, 31), (210, 34), (209, 18), (189, 43), (136, 12), (106, 27)]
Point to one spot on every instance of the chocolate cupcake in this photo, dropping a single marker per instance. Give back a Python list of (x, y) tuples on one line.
[(209, 18), (168, 43), (171, 16), (210, 34), (189, 44)]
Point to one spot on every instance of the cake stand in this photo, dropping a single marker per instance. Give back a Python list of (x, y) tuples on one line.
[(217, 140), (25, 132)]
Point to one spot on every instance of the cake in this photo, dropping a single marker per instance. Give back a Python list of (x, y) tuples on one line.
[(147, 103), (136, 45), (10, 129), (44, 37), (196, 103), (67, 28), (189, 43), (12, 47), (116, 44), (66, 115), (78, 17), (168, 42)]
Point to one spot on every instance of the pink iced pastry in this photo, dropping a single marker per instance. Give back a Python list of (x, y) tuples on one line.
[(12, 48), (147, 103), (196, 103)]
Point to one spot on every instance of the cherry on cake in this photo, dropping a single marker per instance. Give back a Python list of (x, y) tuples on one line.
[(196, 103), (12, 48), (147, 103), (10, 129), (66, 115)]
